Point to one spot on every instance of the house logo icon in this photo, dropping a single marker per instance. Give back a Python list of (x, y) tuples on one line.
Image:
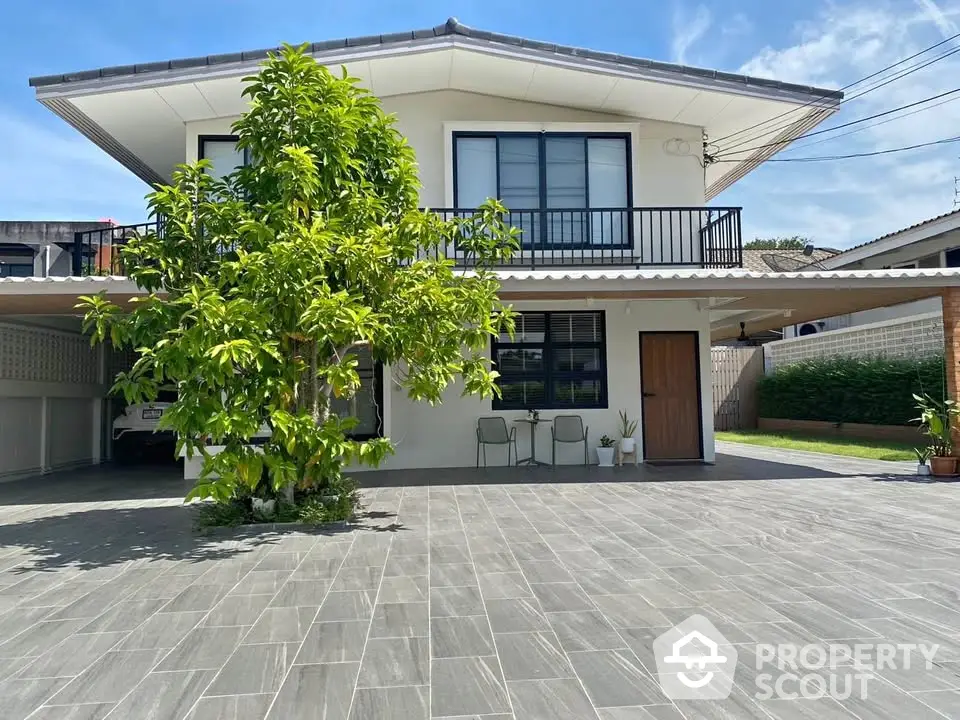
[(694, 661)]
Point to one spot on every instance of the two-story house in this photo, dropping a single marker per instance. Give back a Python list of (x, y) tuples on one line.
[(627, 268)]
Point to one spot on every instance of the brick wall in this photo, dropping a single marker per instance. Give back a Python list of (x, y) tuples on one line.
[(916, 336)]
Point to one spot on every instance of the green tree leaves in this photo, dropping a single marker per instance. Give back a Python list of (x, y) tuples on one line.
[(264, 285)]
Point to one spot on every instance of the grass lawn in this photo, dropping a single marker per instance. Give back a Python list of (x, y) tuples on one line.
[(870, 449)]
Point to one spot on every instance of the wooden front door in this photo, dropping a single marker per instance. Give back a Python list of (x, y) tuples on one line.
[(670, 384)]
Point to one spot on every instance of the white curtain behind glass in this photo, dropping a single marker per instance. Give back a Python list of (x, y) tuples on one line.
[(607, 174), (223, 156)]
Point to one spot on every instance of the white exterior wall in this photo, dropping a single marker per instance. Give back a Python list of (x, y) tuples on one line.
[(51, 390), (445, 435), (428, 120)]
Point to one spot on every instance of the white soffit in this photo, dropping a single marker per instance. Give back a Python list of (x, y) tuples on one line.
[(140, 120)]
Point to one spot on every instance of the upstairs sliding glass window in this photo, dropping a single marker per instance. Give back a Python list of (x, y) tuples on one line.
[(564, 190)]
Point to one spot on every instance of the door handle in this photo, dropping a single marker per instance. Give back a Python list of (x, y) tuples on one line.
[(649, 394)]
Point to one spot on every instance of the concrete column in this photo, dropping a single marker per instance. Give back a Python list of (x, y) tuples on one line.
[(44, 434), (951, 349)]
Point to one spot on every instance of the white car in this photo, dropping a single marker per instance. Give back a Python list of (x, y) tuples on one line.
[(135, 431)]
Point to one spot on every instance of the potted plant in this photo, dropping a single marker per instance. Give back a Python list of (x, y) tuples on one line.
[(923, 454), (605, 451), (936, 421), (627, 428)]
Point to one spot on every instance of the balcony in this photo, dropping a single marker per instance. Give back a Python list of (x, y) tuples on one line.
[(578, 237)]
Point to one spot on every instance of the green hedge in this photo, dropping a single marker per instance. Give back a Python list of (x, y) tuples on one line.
[(857, 390)]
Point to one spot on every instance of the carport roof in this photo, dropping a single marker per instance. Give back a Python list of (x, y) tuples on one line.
[(761, 300)]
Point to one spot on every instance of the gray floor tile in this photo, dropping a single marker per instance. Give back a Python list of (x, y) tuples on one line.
[(404, 589), (163, 630), (357, 578), (494, 562), (228, 572), (253, 669), (448, 554), (928, 611), (261, 582), (740, 607), (629, 611), (603, 582), (282, 624), (109, 679), (391, 703), (124, 616), (823, 622), (516, 615), (317, 568), (388, 662), (456, 601), (203, 648), (39, 638), (22, 697), (460, 637), (400, 620), (316, 691), (614, 678), (452, 575), (805, 709), (633, 568), (562, 597), (346, 606), (943, 701), (697, 579), (73, 655), (399, 565), (300, 593), (723, 564), (467, 686), (585, 630), (164, 695), (282, 561), (96, 711), (651, 712), (238, 610), (196, 597), (532, 656), (504, 585), (334, 642), (545, 571), (550, 700), (232, 707), (662, 595)]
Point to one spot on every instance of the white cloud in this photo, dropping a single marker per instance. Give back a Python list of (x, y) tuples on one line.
[(942, 20), (688, 29), (842, 203)]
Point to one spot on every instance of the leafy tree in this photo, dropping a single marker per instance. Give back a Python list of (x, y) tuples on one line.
[(263, 286), (779, 243)]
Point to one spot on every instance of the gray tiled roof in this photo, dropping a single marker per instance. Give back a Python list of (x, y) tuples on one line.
[(450, 28), (757, 260)]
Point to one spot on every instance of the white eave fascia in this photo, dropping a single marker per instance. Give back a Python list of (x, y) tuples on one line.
[(893, 242), (656, 279), (89, 285)]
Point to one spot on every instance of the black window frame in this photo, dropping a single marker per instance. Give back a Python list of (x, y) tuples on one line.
[(549, 374), (203, 139), (542, 240), (5, 269)]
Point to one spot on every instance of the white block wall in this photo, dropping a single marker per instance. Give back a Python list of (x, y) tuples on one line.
[(917, 336), (51, 396)]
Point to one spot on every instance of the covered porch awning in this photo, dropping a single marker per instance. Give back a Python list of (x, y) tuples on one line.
[(761, 300)]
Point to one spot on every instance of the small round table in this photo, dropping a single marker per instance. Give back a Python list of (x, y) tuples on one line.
[(532, 460)]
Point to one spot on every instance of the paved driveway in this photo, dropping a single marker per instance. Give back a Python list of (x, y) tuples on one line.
[(499, 596)]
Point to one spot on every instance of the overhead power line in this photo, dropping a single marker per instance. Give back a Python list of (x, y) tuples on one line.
[(824, 158), (902, 74), (845, 87), (848, 124)]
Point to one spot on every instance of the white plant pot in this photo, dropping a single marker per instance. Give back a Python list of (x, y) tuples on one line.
[(628, 444), (605, 456), (923, 470), (264, 507)]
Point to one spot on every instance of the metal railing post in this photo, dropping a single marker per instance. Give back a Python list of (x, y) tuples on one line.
[(77, 254)]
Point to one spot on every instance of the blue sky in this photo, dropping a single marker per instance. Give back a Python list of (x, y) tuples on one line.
[(48, 171)]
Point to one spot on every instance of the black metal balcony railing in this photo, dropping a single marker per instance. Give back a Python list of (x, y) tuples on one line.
[(629, 237)]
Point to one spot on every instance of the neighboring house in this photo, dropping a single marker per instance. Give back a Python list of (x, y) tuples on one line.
[(933, 243), (811, 258), (621, 291), (40, 248)]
